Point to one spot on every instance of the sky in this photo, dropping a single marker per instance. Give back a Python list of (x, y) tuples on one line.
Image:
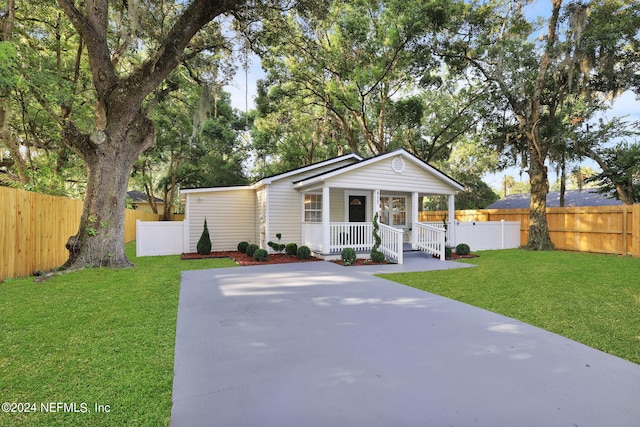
[(243, 93)]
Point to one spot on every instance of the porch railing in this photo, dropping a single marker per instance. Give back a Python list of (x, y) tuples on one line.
[(440, 225), (392, 243), (356, 235), (430, 238)]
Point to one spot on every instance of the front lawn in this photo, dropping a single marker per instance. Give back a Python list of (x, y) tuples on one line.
[(590, 298), (92, 337)]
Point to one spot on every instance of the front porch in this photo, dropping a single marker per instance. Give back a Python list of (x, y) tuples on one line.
[(328, 240), (340, 207)]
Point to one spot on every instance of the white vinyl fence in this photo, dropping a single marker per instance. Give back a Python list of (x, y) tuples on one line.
[(488, 235), (159, 238), (168, 237)]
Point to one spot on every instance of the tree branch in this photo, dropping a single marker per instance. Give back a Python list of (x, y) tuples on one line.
[(196, 15)]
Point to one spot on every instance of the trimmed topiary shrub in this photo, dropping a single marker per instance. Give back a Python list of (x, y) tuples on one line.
[(291, 249), (463, 249), (348, 256), (304, 252), (261, 255), (242, 247), (251, 249), (278, 247), (204, 244), (377, 256)]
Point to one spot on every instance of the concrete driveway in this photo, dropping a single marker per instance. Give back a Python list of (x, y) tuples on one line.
[(317, 344)]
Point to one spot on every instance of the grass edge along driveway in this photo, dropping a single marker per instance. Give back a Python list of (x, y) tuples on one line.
[(590, 298), (95, 346)]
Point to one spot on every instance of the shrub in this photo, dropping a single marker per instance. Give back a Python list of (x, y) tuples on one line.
[(304, 252), (261, 255), (348, 256), (251, 249), (377, 256), (278, 247), (242, 247), (291, 249), (447, 252), (463, 249), (204, 244)]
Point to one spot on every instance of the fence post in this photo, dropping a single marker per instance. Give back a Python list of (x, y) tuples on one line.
[(635, 231), (137, 234)]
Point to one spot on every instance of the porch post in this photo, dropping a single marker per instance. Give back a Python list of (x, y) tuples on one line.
[(452, 220), (326, 222), (376, 203), (414, 220)]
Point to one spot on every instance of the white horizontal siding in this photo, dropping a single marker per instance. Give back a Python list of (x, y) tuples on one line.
[(336, 198), (230, 218), (381, 176), (285, 212)]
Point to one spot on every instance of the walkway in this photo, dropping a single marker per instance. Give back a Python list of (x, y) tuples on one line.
[(317, 344)]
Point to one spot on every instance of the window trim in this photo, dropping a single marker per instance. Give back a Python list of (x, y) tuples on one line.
[(305, 209), (390, 211)]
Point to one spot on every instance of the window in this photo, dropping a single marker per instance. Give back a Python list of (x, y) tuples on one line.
[(313, 208), (393, 210)]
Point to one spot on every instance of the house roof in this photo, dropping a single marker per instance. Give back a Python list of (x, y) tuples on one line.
[(293, 172), (140, 197), (365, 162), (586, 197), (215, 189), (269, 179), (356, 162)]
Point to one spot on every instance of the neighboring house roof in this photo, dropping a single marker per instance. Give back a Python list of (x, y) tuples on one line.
[(586, 197), (140, 197), (365, 162)]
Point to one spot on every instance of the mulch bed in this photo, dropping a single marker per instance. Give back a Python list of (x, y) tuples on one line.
[(454, 256), (359, 262), (244, 259)]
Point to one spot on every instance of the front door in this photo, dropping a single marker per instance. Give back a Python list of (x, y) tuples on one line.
[(357, 208)]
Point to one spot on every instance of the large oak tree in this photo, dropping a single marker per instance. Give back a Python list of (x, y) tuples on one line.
[(122, 128), (546, 87)]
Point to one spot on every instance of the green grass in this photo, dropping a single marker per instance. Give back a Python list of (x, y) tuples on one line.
[(95, 336), (593, 299)]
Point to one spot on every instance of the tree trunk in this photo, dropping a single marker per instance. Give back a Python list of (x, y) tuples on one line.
[(100, 238), (624, 194), (538, 227), (122, 130), (539, 238)]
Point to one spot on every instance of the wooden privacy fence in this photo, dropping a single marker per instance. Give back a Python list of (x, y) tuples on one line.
[(34, 229), (599, 229)]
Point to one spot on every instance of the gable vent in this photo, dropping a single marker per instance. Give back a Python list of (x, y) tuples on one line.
[(398, 165)]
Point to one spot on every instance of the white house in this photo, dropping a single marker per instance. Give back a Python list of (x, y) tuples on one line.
[(327, 206)]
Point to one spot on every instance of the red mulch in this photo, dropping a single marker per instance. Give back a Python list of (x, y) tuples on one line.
[(359, 262), (244, 259), (455, 256)]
